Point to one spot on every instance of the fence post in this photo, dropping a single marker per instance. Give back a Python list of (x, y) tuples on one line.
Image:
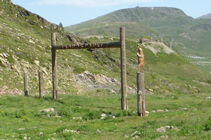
[(26, 88), (124, 105), (140, 94), (54, 66), (41, 85)]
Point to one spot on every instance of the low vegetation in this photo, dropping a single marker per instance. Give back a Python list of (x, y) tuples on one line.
[(174, 116)]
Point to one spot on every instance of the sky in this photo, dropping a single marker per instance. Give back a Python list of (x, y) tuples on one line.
[(70, 12)]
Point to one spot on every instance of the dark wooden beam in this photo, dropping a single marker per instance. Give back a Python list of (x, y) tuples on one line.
[(89, 46)]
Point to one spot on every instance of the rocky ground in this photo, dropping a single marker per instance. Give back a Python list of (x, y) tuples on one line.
[(6, 91)]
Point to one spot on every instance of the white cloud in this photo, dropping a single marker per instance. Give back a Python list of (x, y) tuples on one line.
[(90, 3)]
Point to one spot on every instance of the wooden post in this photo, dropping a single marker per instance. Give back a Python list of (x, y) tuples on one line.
[(124, 105), (140, 94), (41, 85), (26, 88), (54, 66)]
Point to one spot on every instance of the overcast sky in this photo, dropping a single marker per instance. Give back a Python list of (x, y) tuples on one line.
[(71, 12)]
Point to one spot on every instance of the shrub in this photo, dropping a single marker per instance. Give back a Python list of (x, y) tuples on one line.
[(65, 113), (123, 113), (92, 115), (207, 126)]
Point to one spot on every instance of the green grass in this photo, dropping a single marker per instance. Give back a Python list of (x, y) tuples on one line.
[(23, 117)]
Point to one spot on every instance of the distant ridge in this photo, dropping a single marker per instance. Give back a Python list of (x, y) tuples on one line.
[(207, 16), (140, 20)]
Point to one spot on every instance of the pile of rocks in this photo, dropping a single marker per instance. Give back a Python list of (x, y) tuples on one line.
[(165, 128), (6, 91)]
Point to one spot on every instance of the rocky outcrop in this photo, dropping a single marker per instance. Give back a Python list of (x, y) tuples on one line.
[(100, 81), (74, 39), (9, 1)]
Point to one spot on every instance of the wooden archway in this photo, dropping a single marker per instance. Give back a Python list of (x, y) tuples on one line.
[(120, 45)]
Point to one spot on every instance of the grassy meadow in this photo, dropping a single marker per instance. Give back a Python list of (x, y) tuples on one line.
[(79, 117)]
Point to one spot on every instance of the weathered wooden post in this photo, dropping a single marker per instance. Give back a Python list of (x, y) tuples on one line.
[(26, 88), (140, 94), (41, 85), (54, 66), (124, 105)]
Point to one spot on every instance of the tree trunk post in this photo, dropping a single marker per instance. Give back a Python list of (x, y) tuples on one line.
[(54, 66), (26, 88), (140, 94), (41, 85), (124, 105)]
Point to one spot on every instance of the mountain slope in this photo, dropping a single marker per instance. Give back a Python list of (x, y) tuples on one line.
[(190, 36), (148, 16), (25, 47)]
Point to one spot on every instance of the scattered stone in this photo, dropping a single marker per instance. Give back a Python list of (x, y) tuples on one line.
[(21, 128), (151, 90), (77, 118), (76, 55), (184, 108), (69, 131), (136, 137), (31, 41), (134, 133), (208, 98), (159, 110), (162, 129), (48, 110), (126, 136), (37, 62), (113, 92)]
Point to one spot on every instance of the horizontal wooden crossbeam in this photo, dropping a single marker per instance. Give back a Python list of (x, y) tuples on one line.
[(89, 46)]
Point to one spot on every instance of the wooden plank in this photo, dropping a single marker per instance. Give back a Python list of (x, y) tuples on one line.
[(26, 88), (54, 66), (41, 85), (89, 46), (124, 105), (140, 94)]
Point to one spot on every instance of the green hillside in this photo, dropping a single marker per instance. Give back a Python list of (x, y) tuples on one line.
[(25, 47)]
